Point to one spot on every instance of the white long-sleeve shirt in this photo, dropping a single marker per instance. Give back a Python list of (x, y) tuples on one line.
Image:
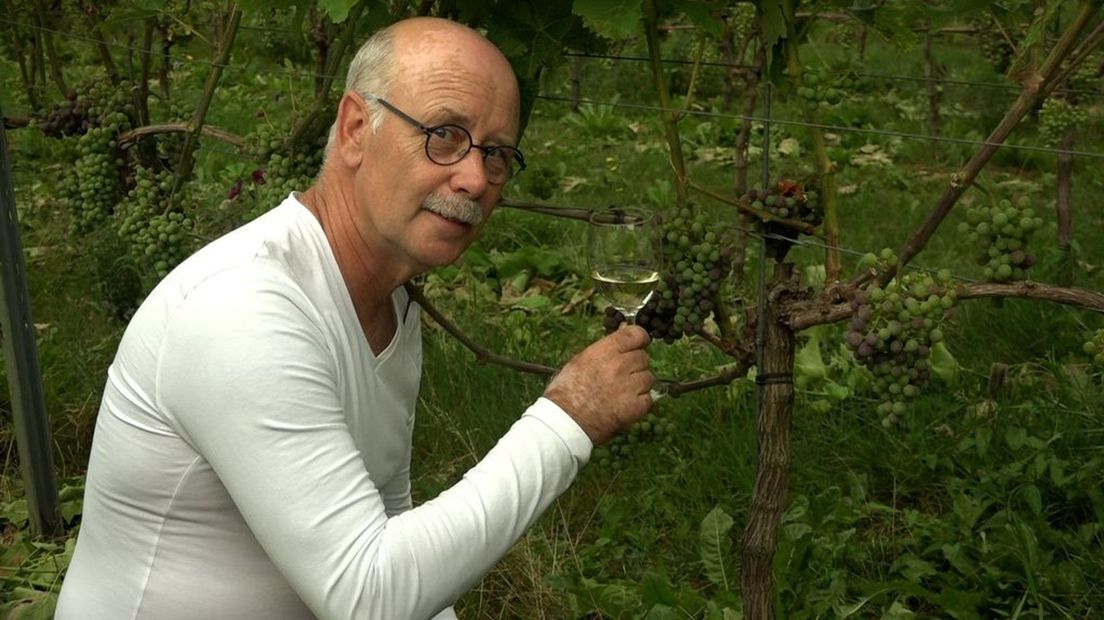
[(251, 456)]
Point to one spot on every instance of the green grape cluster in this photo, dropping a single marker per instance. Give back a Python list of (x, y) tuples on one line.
[(1057, 118), (741, 17), (789, 200), (857, 82), (696, 261), (994, 47), (169, 145), (283, 175), (818, 90), (893, 329), (283, 168), (1085, 77), (1002, 233), (1094, 348), (95, 186), (651, 429), (159, 236)]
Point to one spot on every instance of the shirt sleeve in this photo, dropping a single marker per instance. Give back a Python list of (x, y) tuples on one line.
[(247, 377)]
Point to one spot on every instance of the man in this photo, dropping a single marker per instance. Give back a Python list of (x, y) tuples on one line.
[(252, 452)]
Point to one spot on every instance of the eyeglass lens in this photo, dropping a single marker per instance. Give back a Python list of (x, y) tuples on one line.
[(448, 144)]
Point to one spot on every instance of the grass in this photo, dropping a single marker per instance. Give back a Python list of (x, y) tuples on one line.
[(992, 495)]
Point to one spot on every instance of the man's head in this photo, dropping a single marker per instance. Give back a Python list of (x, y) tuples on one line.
[(417, 204)]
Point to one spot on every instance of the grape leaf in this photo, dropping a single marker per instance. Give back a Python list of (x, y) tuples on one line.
[(336, 10), (704, 14), (715, 545), (612, 19)]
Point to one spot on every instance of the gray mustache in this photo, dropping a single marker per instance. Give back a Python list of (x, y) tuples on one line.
[(454, 207)]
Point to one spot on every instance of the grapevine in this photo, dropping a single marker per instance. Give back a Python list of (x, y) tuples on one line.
[(893, 330), (1002, 233)]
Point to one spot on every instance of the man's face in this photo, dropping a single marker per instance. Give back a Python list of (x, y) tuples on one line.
[(408, 202)]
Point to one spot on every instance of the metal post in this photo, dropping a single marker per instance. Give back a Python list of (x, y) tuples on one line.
[(32, 430)]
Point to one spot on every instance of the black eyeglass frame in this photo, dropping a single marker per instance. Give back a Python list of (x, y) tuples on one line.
[(487, 151)]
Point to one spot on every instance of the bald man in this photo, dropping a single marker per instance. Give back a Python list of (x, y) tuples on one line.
[(251, 456)]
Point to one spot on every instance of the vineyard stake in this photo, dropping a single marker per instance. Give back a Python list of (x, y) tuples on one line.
[(32, 429)]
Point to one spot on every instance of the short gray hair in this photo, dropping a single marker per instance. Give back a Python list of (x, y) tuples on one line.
[(371, 74)]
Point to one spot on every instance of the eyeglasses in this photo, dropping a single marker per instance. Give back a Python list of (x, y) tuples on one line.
[(448, 144)]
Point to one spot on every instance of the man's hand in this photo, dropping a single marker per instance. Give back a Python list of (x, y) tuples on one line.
[(605, 387)]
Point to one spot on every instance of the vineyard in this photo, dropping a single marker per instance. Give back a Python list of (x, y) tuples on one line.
[(878, 320)]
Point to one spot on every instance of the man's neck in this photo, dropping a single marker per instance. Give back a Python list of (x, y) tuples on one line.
[(366, 275)]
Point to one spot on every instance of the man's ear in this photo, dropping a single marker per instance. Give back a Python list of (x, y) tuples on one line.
[(353, 125)]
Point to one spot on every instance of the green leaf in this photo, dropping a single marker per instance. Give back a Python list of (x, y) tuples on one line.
[(613, 19), (772, 21), (704, 14), (808, 362), (943, 364), (1033, 498), (336, 10), (716, 545), (1036, 36), (1015, 437)]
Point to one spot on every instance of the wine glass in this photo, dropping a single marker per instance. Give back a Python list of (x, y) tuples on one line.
[(622, 257), (624, 260)]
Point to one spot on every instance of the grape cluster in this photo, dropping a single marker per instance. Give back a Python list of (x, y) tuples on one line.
[(818, 90), (169, 145), (651, 429), (92, 104), (742, 17), (1002, 233), (893, 330), (789, 200), (1094, 348), (67, 119), (283, 168), (696, 261), (996, 49), (159, 235), (95, 186), (1057, 118)]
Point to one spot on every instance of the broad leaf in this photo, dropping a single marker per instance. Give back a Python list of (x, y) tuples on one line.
[(336, 10), (613, 19), (716, 546)]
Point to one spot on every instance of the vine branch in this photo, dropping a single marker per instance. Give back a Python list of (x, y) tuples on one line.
[(133, 135), (803, 315)]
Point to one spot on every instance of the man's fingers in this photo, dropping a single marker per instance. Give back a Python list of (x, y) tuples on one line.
[(631, 337)]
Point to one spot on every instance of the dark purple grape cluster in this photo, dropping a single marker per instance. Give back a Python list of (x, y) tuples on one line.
[(892, 332), (696, 261), (67, 119), (789, 200)]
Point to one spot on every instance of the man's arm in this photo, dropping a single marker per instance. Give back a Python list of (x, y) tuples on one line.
[(248, 378)]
